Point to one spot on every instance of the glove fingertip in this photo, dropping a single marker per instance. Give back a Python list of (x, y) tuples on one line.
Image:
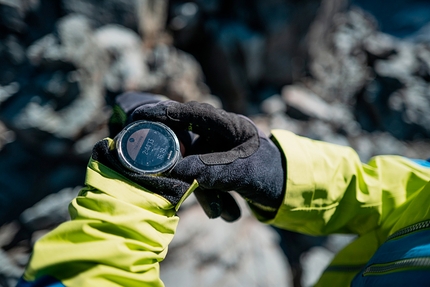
[(231, 210), (214, 211), (230, 217), (210, 203)]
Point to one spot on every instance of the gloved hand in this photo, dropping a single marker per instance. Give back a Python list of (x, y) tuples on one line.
[(104, 151), (230, 154), (215, 203), (174, 190)]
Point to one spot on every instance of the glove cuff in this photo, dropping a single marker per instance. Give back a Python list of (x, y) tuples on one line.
[(263, 211)]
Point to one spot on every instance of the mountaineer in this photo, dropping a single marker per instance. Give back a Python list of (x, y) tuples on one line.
[(122, 221)]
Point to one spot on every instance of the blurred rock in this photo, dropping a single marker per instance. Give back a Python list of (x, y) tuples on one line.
[(314, 262), (126, 60), (274, 104), (161, 69), (27, 176), (319, 68), (60, 99), (6, 136), (336, 64), (8, 231), (9, 273), (50, 211), (12, 16), (286, 26), (12, 262), (248, 49), (152, 21), (75, 51), (306, 104), (212, 252), (382, 76), (379, 46), (12, 57)]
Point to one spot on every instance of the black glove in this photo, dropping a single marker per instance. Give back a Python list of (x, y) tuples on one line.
[(232, 155), (104, 151), (125, 105), (214, 204), (170, 188), (127, 102)]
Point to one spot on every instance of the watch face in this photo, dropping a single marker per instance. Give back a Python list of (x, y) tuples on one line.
[(148, 147)]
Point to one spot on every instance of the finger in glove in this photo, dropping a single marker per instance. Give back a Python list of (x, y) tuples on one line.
[(217, 203), (228, 136), (230, 208)]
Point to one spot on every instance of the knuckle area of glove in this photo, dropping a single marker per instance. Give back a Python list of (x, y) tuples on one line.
[(219, 159)]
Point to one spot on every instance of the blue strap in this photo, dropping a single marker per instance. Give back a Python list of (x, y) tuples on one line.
[(411, 247), (422, 162), (45, 281)]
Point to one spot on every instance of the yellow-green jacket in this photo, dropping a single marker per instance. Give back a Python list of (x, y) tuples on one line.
[(119, 231)]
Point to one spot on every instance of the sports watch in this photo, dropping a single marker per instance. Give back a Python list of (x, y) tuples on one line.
[(148, 147)]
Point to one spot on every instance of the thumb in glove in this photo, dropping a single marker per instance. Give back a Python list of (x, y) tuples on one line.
[(125, 104)]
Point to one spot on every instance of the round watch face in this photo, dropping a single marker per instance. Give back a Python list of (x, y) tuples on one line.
[(148, 147)]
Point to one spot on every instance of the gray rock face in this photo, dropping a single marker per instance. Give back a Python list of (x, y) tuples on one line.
[(81, 64), (325, 69), (57, 104), (368, 90)]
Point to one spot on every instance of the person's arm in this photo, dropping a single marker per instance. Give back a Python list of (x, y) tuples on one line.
[(289, 181), (118, 234), (328, 189)]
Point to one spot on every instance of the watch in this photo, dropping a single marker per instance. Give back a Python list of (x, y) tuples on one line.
[(148, 147)]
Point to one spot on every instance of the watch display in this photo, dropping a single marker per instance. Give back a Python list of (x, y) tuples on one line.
[(148, 147)]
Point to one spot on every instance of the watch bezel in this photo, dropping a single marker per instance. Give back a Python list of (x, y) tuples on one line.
[(127, 162)]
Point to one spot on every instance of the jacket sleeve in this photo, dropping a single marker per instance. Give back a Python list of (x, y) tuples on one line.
[(328, 189), (117, 235)]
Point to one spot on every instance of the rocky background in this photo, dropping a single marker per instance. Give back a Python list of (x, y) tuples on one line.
[(354, 73)]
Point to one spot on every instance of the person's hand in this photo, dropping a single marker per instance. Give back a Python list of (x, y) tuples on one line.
[(123, 107), (174, 190), (230, 154), (215, 203), (105, 151)]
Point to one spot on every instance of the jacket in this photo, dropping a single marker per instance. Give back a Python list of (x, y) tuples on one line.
[(119, 231), (386, 202)]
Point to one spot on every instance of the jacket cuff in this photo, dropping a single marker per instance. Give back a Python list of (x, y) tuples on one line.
[(302, 158), (297, 175), (97, 174)]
